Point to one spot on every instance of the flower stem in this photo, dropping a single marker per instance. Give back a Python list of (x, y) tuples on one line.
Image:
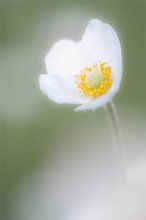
[(119, 146)]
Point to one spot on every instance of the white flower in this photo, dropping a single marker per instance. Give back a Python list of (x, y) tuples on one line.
[(88, 72)]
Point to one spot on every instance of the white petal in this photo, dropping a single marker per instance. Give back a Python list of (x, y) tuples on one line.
[(56, 90), (100, 101), (67, 59), (102, 41)]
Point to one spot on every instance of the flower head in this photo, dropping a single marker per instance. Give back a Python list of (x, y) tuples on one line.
[(86, 73)]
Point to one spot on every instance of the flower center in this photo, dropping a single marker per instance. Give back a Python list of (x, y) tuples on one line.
[(94, 81)]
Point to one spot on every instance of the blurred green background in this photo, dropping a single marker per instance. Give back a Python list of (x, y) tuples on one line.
[(31, 125)]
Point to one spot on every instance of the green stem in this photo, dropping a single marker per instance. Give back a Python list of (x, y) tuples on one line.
[(119, 146)]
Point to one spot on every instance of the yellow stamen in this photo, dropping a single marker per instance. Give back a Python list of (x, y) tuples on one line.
[(95, 81)]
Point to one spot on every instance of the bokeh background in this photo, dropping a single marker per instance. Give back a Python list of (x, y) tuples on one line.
[(51, 156)]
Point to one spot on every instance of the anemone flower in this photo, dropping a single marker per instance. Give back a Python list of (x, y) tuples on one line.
[(88, 72)]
